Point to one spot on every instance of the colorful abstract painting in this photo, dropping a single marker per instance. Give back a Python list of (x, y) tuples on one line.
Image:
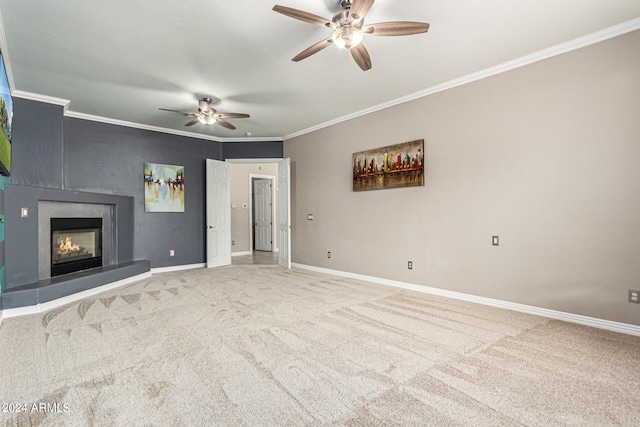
[(163, 188), (394, 166)]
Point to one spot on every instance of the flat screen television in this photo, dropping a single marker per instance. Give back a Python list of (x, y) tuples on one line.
[(6, 119)]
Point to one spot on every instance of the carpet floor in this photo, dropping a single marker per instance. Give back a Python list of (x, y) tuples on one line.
[(257, 345)]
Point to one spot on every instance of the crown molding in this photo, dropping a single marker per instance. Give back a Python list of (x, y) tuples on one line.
[(125, 123), (117, 122), (580, 42), (41, 98), (83, 116), (254, 139)]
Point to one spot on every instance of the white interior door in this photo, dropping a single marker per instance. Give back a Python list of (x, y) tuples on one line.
[(284, 213), (218, 214), (262, 218)]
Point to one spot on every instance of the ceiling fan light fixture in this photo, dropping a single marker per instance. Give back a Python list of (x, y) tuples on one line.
[(347, 37), (206, 120)]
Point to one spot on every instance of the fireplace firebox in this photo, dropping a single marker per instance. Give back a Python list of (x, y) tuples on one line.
[(76, 244)]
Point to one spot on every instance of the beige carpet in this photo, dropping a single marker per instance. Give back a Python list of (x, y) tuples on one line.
[(258, 345)]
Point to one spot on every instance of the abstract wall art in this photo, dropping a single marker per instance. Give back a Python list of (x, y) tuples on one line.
[(394, 166), (163, 188)]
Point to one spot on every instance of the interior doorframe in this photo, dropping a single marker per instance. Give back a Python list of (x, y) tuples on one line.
[(273, 194), (272, 179)]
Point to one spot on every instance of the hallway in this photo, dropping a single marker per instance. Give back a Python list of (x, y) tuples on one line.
[(257, 258)]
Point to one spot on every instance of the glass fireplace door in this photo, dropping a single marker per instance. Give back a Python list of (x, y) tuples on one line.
[(76, 244)]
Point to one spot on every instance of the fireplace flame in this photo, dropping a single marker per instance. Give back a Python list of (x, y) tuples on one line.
[(66, 246)]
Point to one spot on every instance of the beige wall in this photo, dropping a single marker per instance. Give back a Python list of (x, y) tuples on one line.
[(546, 156), (240, 195)]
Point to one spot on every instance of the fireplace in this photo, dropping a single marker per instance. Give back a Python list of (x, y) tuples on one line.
[(76, 244)]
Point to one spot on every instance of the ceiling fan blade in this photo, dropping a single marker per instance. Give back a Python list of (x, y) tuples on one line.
[(302, 15), (361, 56), (313, 49), (231, 115), (192, 122), (226, 124), (361, 7), (186, 113), (400, 28)]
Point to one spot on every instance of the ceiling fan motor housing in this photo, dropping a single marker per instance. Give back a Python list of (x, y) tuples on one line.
[(348, 27)]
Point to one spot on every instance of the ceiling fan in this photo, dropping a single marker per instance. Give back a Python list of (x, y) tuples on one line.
[(349, 29), (208, 116)]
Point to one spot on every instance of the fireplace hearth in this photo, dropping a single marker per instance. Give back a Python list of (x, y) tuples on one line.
[(76, 244)]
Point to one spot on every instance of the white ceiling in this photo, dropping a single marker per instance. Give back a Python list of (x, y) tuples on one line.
[(121, 60)]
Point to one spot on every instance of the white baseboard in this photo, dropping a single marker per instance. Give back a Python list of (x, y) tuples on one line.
[(249, 253), (623, 328), (241, 253), (177, 268), (39, 308)]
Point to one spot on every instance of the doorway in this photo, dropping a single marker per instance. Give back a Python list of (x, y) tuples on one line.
[(236, 208)]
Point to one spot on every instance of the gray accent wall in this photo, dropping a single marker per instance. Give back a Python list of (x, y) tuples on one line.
[(72, 154), (3, 181), (37, 144), (105, 158), (253, 150), (547, 157)]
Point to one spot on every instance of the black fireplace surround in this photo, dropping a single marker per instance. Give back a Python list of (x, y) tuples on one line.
[(76, 244)]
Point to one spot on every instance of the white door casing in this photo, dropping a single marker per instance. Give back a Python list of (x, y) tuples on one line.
[(284, 213), (262, 211), (218, 226)]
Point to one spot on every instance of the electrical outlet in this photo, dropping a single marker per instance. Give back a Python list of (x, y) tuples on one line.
[(172, 252), (328, 254), (410, 265), (634, 296)]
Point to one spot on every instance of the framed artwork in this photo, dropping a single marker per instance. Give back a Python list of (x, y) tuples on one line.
[(394, 166), (6, 120), (163, 188)]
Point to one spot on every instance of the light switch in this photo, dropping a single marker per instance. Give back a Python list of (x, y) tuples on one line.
[(234, 205), (495, 241), (310, 217), (24, 213)]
